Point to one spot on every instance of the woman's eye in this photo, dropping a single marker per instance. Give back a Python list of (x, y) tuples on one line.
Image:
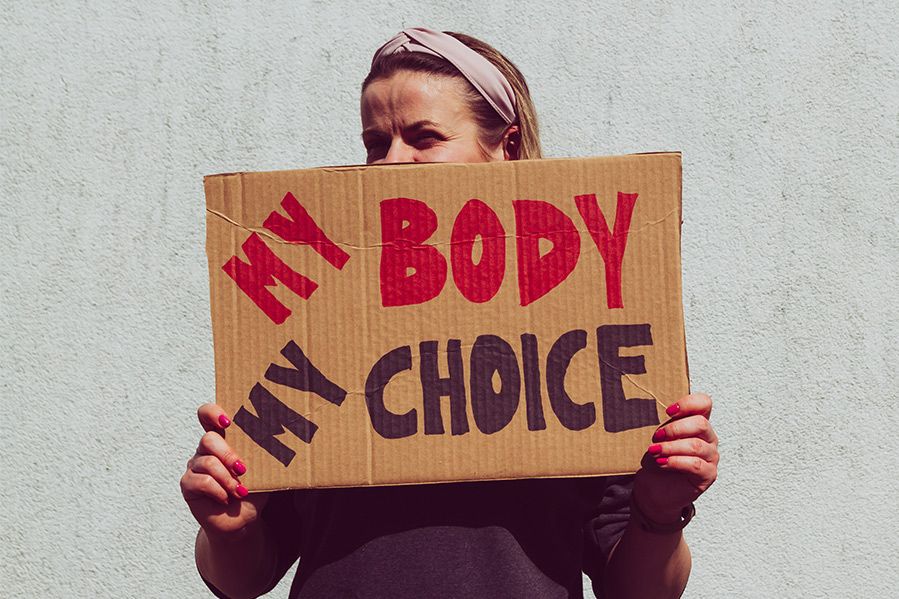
[(375, 150), (427, 138)]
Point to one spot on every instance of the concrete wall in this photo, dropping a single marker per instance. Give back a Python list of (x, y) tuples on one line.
[(788, 118)]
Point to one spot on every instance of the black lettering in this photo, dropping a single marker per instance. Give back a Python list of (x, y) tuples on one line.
[(304, 376), (573, 416), (618, 412), (386, 423), (533, 402), (273, 418), (493, 410), (433, 387)]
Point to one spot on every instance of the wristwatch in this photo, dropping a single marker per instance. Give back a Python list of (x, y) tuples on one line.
[(652, 526)]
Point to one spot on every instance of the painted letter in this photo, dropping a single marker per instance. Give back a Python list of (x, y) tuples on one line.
[(611, 245), (618, 412), (304, 376), (478, 282), (573, 416), (434, 387), (303, 229), (261, 271), (493, 410), (403, 248), (537, 275), (386, 423), (271, 420)]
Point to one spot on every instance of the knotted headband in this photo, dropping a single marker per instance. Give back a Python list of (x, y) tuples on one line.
[(480, 72)]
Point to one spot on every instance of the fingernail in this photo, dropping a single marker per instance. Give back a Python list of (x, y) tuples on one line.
[(673, 409), (224, 421), (659, 435), (242, 491), (659, 461), (656, 448), (239, 468)]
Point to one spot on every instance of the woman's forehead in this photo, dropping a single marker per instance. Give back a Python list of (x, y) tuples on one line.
[(408, 97)]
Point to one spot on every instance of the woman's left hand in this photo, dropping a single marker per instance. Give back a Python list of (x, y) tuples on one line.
[(681, 463)]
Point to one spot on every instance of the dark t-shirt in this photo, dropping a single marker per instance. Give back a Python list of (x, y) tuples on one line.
[(517, 538)]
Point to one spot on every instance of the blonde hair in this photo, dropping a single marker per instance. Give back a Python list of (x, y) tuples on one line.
[(491, 124)]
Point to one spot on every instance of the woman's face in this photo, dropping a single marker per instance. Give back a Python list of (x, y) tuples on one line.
[(418, 117)]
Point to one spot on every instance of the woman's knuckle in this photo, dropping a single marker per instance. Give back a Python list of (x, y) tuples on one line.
[(209, 486), (205, 463), (229, 457), (703, 425), (696, 465), (696, 445), (207, 441)]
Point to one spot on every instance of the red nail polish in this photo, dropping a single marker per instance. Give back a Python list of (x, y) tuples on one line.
[(224, 421), (673, 409), (656, 448), (659, 435), (661, 461), (242, 491), (239, 468)]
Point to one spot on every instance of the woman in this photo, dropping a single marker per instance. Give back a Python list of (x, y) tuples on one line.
[(437, 97)]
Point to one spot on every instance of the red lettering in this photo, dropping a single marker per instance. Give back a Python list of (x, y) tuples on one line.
[(303, 229), (537, 275), (478, 282), (261, 271), (611, 245), (405, 225)]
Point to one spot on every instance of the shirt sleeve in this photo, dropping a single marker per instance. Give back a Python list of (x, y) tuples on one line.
[(282, 520), (605, 523)]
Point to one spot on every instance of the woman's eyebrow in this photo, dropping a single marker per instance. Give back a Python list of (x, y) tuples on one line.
[(413, 127), (416, 126), (372, 132), (422, 124)]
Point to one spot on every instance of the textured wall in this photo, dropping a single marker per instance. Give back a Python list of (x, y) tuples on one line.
[(788, 118)]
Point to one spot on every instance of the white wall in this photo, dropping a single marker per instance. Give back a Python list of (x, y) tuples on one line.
[(788, 118)]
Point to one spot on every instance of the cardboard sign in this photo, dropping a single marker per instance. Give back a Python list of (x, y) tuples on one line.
[(443, 322)]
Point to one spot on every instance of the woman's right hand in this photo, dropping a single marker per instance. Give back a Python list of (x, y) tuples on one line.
[(211, 487)]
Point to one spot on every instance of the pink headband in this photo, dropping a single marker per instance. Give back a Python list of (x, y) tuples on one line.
[(479, 71)]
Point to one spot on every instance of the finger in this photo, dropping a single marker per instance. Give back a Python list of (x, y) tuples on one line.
[(694, 446), (703, 472), (691, 426), (214, 444), (213, 417), (194, 486), (689, 405), (211, 465)]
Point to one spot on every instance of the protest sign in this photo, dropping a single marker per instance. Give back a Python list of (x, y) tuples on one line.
[(440, 322)]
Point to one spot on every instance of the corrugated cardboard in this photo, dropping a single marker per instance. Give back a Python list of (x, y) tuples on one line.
[(444, 322)]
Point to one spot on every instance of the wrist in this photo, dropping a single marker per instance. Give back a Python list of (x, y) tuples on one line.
[(657, 513), (237, 536), (660, 520)]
